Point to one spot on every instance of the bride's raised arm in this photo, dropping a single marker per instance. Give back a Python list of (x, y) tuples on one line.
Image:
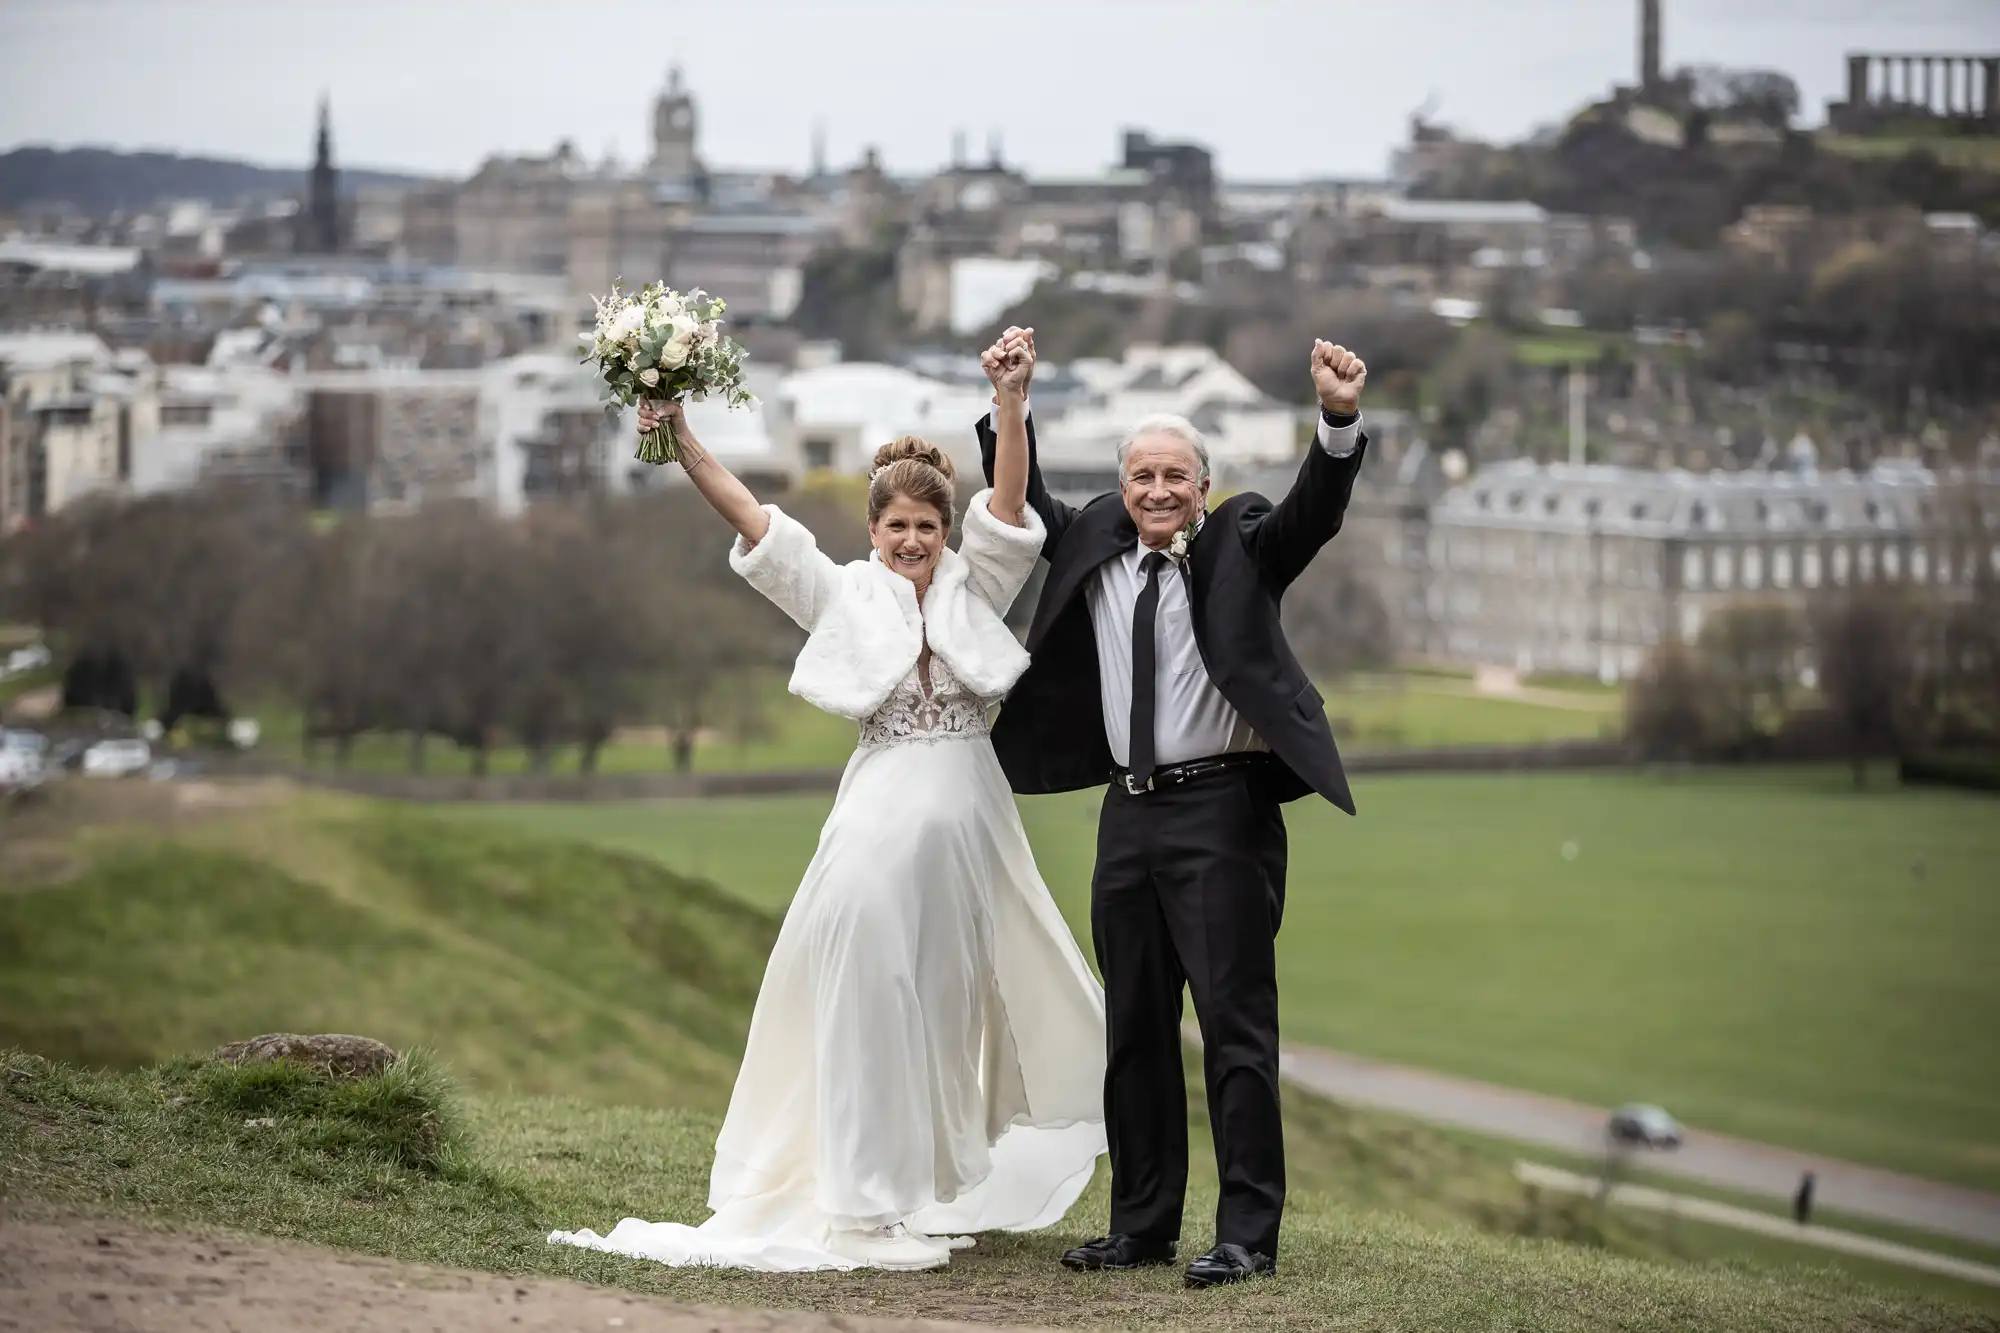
[(1010, 364), (773, 552), (718, 485)]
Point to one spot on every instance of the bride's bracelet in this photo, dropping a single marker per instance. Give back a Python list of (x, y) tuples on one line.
[(687, 467)]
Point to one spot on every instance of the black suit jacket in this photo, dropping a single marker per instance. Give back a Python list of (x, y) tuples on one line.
[(1050, 734)]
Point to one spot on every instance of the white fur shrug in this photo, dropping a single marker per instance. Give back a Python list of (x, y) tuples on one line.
[(864, 628)]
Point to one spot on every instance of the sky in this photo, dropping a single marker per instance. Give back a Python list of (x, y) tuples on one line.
[(1276, 88)]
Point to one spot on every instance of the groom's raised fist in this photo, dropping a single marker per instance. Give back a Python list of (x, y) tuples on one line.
[(1338, 376)]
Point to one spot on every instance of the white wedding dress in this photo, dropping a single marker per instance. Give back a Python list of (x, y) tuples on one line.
[(926, 1058)]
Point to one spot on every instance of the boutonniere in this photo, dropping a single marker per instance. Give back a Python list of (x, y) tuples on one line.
[(1177, 549)]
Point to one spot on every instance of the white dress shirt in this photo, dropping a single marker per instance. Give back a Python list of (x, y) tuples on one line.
[(1191, 719)]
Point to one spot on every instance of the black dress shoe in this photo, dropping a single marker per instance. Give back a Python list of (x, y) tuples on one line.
[(1228, 1263), (1116, 1253)]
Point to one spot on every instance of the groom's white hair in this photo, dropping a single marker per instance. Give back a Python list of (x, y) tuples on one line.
[(1165, 423)]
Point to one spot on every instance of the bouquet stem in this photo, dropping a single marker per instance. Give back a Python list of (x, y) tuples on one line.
[(660, 445)]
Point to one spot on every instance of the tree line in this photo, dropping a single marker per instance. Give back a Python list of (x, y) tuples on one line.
[(551, 631), (1868, 672)]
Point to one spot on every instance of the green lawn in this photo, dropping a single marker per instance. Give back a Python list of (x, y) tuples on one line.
[(1411, 712), (14, 687), (1560, 347), (794, 736), (1765, 953), (1389, 711), (1974, 152)]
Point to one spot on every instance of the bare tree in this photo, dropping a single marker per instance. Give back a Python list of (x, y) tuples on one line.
[(1754, 653), (313, 625), (146, 592), (1969, 509), (1870, 645), (1671, 706), (472, 567)]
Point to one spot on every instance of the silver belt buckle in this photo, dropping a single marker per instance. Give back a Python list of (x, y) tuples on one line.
[(1132, 788)]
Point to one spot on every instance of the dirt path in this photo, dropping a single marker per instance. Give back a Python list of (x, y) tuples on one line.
[(111, 1277), (1717, 1159)]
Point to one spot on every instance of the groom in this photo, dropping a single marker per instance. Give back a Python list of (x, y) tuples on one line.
[(1158, 663)]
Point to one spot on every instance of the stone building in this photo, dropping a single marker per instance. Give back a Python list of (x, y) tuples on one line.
[(755, 261), (561, 215), (428, 230), (75, 412), (1886, 93), (1160, 201), (514, 213), (394, 439), (1583, 569)]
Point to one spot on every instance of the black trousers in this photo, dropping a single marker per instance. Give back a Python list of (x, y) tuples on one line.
[(1188, 892)]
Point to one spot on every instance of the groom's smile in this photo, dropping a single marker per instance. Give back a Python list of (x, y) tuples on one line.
[(1165, 487)]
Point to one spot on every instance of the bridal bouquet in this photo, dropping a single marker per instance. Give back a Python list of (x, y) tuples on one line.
[(662, 344)]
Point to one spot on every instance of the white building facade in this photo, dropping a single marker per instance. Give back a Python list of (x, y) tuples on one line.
[(1584, 569)]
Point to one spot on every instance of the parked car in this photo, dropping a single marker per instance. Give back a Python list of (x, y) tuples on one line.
[(32, 658), (20, 770), (117, 759), (17, 741)]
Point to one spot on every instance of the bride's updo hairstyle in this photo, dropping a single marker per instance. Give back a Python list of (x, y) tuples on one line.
[(914, 467)]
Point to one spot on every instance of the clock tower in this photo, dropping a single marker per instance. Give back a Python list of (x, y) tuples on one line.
[(673, 134)]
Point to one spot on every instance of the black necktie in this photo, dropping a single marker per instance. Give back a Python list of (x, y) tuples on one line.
[(1145, 655)]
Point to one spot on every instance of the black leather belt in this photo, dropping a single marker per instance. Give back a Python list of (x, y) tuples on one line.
[(1173, 775)]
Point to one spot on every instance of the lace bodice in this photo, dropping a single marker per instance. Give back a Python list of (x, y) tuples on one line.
[(950, 711)]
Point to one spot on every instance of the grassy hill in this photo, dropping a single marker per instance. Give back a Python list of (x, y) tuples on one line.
[(593, 1004), (535, 966), (1767, 953)]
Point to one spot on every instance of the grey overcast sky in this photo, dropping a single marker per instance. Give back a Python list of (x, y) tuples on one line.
[(1277, 88)]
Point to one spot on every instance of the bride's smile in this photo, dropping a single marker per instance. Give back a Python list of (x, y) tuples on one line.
[(909, 536)]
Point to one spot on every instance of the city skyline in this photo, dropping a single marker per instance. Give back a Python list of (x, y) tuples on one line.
[(1285, 90)]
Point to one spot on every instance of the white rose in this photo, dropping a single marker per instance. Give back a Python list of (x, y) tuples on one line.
[(629, 322), (650, 378), (685, 327), (674, 355)]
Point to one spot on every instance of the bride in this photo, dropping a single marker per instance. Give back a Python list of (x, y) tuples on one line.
[(926, 1058)]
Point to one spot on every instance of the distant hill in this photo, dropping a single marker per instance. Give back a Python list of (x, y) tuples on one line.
[(1688, 194), (99, 180)]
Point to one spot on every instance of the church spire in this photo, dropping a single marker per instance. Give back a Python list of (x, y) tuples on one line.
[(319, 221), (323, 150)]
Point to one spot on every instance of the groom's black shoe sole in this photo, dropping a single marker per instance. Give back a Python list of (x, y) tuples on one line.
[(1118, 1254)]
